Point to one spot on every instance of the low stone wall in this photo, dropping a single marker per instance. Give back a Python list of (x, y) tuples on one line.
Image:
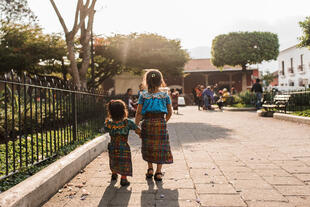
[(38, 188), (293, 118), (226, 108)]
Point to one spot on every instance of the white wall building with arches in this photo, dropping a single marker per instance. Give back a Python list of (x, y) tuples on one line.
[(294, 68)]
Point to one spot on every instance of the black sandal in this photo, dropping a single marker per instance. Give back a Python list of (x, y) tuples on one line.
[(156, 178), (114, 177), (148, 174), (124, 182)]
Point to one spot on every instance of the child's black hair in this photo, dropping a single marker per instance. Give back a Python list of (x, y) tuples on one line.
[(117, 110), (154, 79)]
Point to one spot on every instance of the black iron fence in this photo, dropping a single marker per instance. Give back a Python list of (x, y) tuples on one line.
[(298, 100), (39, 116)]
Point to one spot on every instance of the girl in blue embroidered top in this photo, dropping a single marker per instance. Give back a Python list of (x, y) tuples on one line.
[(118, 127), (155, 109)]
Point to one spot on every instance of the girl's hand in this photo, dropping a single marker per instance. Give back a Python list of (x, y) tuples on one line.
[(138, 132)]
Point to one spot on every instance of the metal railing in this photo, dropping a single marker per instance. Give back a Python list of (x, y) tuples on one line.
[(299, 99), (39, 116)]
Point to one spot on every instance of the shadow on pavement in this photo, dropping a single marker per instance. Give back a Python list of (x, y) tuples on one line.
[(187, 132), (166, 197), (109, 196)]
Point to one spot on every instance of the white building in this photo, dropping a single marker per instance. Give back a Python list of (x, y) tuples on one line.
[(294, 68)]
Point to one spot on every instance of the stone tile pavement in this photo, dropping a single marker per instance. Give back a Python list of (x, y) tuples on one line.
[(221, 159)]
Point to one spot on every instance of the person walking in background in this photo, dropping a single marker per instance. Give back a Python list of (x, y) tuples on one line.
[(130, 103), (199, 96), (175, 103), (141, 89), (220, 101), (207, 95), (233, 91), (118, 126), (194, 92), (258, 89), (155, 107)]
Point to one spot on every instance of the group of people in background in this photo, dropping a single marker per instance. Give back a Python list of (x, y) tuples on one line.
[(132, 101), (205, 97)]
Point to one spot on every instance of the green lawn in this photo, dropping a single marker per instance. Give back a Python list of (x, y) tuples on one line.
[(305, 113)]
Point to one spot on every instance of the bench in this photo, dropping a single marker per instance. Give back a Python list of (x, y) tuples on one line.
[(280, 102)]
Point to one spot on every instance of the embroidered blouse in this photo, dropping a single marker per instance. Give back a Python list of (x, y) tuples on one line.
[(154, 102), (120, 127)]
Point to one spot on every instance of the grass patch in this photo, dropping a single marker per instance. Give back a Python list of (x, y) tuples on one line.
[(24, 173), (305, 113)]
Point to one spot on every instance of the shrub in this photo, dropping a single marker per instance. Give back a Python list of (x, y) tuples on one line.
[(247, 98)]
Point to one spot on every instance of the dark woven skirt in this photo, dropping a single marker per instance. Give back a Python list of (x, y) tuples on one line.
[(120, 157), (155, 141)]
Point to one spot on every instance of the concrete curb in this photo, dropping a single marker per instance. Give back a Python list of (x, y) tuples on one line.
[(266, 114), (239, 109), (38, 188), (292, 118)]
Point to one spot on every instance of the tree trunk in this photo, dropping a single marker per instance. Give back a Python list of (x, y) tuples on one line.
[(74, 71), (64, 69), (244, 78)]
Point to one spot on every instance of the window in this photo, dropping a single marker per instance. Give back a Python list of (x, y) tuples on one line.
[(301, 66), (282, 67), (291, 83), (292, 62), (291, 69)]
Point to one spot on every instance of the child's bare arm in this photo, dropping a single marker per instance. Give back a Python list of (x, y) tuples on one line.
[(138, 132), (138, 115), (168, 116)]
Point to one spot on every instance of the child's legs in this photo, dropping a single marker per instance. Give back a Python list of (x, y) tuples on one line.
[(158, 169), (159, 166), (150, 165)]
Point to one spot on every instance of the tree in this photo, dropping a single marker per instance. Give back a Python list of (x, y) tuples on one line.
[(83, 22), (305, 39), (135, 52), (26, 48), (106, 64), (16, 10), (268, 78), (141, 51), (244, 49)]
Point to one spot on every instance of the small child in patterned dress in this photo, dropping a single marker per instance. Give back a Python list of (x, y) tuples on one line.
[(155, 109), (118, 127)]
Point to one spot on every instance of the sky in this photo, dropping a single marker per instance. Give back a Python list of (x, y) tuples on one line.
[(194, 22)]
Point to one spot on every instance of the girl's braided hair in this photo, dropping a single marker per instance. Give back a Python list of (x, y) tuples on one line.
[(153, 79)]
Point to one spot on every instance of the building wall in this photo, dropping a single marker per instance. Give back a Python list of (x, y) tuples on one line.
[(220, 78), (295, 76), (127, 80)]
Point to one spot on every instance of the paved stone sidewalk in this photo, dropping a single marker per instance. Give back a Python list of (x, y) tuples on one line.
[(222, 159)]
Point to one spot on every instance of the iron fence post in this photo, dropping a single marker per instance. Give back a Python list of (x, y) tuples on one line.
[(74, 116)]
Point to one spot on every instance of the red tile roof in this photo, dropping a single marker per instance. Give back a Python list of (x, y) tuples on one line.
[(205, 65)]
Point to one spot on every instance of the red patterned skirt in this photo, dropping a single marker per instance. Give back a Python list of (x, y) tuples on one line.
[(155, 141), (120, 156)]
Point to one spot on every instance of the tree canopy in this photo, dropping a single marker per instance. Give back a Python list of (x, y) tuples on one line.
[(141, 51), (305, 38), (16, 10), (26, 48), (135, 52), (244, 48)]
